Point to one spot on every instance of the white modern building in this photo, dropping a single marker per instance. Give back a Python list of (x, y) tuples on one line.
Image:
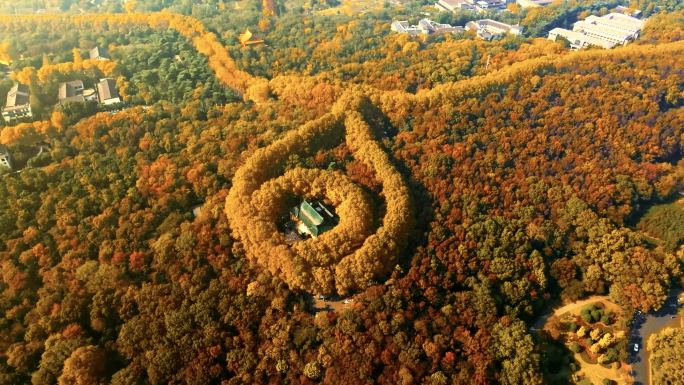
[(425, 27), (489, 29), (18, 103), (430, 27), (404, 27), (605, 31), (579, 40), (470, 5), (534, 3)]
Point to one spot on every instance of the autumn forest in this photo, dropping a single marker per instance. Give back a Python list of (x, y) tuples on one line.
[(475, 185)]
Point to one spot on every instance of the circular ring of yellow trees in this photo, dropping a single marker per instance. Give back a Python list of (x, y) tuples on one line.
[(361, 249)]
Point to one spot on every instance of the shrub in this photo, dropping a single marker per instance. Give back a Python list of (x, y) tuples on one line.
[(586, 316), (312, 370), (611, 355), (575, 347)]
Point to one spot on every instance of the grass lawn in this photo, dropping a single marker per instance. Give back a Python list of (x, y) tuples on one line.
[(664, 223)]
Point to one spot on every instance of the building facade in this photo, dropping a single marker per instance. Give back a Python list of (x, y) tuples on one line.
[(425, 27), (579, 40), (430, 27), (489, 29), (470, 5), (605, 31)]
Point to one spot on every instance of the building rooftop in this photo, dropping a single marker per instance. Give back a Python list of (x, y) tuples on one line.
[(475, 5), (628, 11), (452, 3), (492, 27), (534, 3), (428, 26), (402, 26), (98, 53), (106, 89), (578, 39), (18, 95), (314, 217), (605, 31), (70, 89), (425, 26), (617, 21)]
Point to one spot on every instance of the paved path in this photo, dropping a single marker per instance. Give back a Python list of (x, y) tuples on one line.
[(643, 326)]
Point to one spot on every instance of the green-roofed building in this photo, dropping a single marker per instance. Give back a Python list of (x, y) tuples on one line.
[(313, 218)]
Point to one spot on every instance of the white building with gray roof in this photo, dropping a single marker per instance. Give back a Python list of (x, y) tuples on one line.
[(18, 103)]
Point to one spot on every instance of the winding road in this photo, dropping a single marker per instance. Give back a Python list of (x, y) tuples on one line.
[(644, 325)]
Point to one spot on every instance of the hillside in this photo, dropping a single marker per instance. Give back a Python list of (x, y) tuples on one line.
[(469, 196)]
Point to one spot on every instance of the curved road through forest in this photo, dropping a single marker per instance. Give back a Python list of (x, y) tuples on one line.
[(644, 325)]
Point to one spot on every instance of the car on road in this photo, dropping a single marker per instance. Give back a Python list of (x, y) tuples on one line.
[(636, 347)]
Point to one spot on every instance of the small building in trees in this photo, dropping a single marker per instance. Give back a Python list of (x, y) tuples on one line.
[(312, 218), (402, 26), (248, 38), (456, 6), (425, 26), (534, 3), (429, 27), (18, 105), (98, 53), (5, 161), (196, 210), (71, 92), (488, 29), (107, 92)]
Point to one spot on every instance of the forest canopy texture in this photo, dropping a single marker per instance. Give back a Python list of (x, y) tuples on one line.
[(141, 246)]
